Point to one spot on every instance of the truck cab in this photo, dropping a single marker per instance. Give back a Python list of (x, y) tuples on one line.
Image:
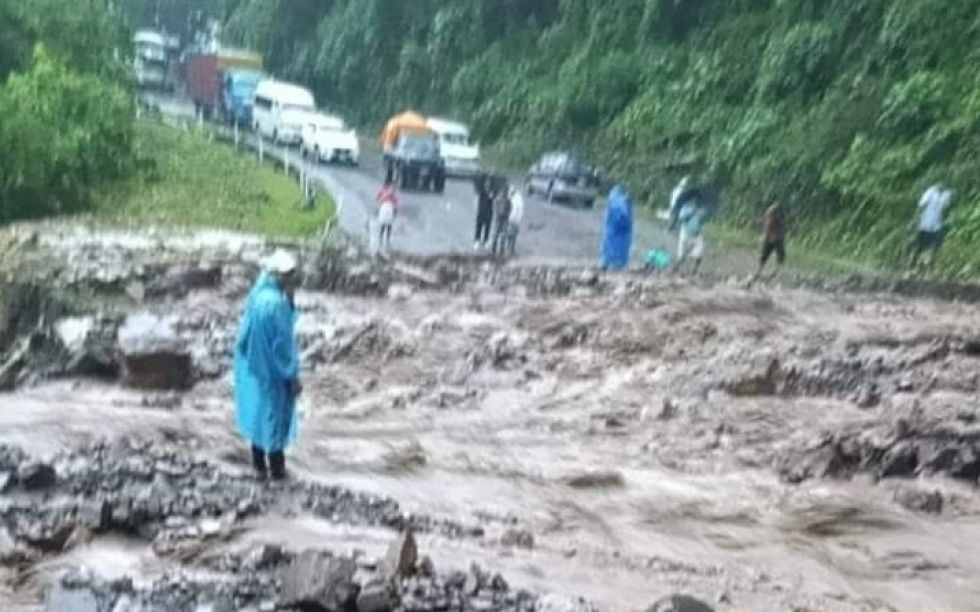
[(238, 93)]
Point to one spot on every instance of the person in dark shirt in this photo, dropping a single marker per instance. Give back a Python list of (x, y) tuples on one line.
[(773, 237), (484, 210)]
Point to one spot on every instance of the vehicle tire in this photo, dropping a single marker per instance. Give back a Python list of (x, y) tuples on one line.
[(426, 181), (275, 137), (529, 188), (439, 183), (590, 203), (404, 179), (550, 194)]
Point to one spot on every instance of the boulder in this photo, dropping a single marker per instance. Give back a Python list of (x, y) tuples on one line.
[(519, 538), (402, 556), (152, 355), (680, 603), (919, 500), (317, 581), (378, 595), (34, 476)]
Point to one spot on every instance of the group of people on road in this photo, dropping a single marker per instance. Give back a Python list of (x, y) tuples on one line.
[(500, 209)]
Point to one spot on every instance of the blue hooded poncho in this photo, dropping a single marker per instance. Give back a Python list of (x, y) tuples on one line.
[(266, 364), (617, 230)]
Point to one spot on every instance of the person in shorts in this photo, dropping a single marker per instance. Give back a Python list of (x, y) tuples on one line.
[(773, 237)]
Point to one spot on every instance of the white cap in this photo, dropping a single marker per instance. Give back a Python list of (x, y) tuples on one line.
[(280, 262)]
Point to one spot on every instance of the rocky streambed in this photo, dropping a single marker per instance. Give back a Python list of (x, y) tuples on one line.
[(552, 438)]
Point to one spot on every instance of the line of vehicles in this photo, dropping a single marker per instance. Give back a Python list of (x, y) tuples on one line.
[(230, 85)]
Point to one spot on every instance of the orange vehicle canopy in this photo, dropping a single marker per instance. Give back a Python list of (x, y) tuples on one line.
[(408, 122)]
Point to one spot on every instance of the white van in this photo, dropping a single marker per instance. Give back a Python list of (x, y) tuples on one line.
[(279, 111), (462, 158)]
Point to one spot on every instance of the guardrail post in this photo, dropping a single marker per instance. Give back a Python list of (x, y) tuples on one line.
[(236, 134), (285, 160), (261, 144)]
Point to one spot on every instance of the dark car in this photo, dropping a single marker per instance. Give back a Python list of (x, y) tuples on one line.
[(563, 176), (415, 163)]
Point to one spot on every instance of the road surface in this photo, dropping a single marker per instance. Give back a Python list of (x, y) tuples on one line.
[(429, 224)]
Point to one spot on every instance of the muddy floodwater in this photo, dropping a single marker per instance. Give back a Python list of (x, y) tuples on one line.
[(610, 438)]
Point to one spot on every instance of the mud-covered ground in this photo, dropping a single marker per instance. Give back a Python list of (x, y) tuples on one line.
[(554, 438)]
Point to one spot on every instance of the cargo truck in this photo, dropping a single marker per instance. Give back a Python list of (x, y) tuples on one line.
[(222, 84)]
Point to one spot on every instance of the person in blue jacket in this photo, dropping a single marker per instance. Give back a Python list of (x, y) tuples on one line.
[(617, 231), (267, 366)]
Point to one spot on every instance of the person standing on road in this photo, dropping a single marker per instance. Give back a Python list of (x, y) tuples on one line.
[(773, 238), (684, 192), (484, 211), (267, 366), (691, 242), (501, 212), (387, 200), (617, 230), (516, 218), (932, 209)]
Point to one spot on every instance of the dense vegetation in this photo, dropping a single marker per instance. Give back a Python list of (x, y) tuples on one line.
[(192, 182), (845, 110), (67, 113)]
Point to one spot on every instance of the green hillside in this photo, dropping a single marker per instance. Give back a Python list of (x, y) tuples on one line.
[(844, 109)]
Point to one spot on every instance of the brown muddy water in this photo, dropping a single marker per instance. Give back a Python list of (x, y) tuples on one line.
[(617, 442)]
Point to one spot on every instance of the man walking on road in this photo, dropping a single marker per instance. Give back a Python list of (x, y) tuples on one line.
[(932, 209), (267, 366), (773, 238), (484, 211)]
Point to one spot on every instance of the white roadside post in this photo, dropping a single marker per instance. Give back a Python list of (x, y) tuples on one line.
[(235, 128), (261, 143), (285, 160)]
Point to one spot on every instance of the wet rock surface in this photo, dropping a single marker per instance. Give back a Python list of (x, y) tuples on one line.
[(906, 447)]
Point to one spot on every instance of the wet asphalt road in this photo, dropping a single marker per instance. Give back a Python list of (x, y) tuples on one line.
[(429, 224)]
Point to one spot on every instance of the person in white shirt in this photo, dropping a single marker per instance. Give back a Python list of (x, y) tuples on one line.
[(515, 219), (931, 210)]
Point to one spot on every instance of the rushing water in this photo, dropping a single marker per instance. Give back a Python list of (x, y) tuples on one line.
[(471, 406)]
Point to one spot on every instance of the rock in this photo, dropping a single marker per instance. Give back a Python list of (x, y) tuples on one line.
[(318, 581), (264, 557), (680, 603), (900, 460), (519, 538), (61, 599), (402, 556), (34, 476), (10, 552), (159, 370), (152, 355), (594, 479), (918, 500), (136, 290), (377, 596)]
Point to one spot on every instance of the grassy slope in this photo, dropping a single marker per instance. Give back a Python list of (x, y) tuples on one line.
[(191, 182)]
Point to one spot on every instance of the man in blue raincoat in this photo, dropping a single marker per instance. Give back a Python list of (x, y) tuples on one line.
[(617, 230), (267, 366)]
